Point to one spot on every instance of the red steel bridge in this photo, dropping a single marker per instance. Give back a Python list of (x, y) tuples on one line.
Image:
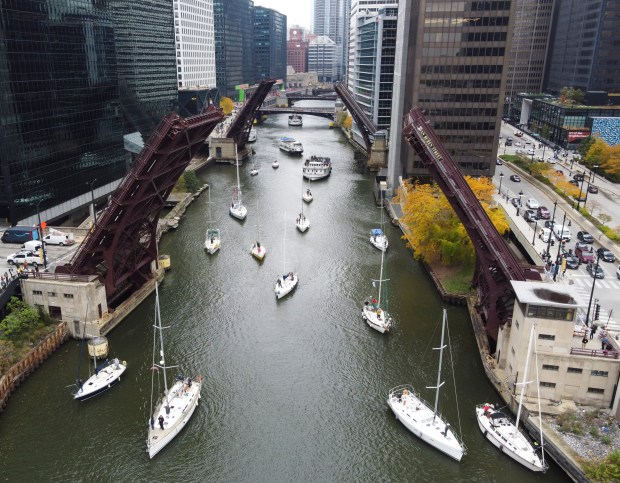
[(496, 266), (123, 243)]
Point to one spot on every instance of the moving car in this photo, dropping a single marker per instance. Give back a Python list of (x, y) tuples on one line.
[(530, 152), (532, 203), (606, 255), (59, 239), (572, 262), (550, 224), (24, 258), (530, 215), (578, 177), (515, 178), (618, 271), (585, 237), (543, 213), (585, 254), (592, 189), (499, 162), (595, 271)]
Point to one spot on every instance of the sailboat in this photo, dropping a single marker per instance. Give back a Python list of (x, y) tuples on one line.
[(254, 170), (106, 374), (287, 282), (504, 434), (212, 238), (373, 312), (258, 249), (307, 196), (378, 238), (237, 210), (423, 420), (275, 164), (176, 406), (302, 221)]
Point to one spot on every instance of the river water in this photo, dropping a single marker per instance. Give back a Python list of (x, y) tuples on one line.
[(294, 390)]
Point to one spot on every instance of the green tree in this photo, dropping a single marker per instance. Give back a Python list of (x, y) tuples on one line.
[(21, 320), (605, 470), (192, 184)]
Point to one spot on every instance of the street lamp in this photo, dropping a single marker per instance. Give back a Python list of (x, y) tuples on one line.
[(590, 183), (555, 205), (92, 195), (592, 291), (583, 173), (520, 195), (561, 238), (40, 231), (534, 237), (501, 178)]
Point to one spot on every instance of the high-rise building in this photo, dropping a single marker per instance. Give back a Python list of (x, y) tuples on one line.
[(450, 59), (297, 49), (324, 59), (584, 47), (359, 8), (233, 44), (331, 19), (528, 50), (269, 44), (373, 70)]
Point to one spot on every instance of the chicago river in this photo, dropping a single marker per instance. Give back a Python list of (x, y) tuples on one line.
[(293, 390)]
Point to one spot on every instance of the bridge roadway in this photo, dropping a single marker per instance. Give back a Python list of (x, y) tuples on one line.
[(312, 111)]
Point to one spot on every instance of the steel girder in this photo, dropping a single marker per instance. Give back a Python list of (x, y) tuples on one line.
[(123, 242), (496, 266), (364, 123), (239, 130)]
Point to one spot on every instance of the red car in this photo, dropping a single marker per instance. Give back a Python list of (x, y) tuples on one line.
[(543, 213)]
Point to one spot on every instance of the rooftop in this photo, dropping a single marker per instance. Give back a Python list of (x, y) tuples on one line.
[(548, 294)]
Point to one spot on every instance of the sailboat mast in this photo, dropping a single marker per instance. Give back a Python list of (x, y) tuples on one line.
[(284, 245), (525, 372), (162, 361), (380, 280), (441, 347), (238, 181)]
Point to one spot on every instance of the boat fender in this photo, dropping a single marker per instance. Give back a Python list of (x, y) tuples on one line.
[(501, 447), (484, 433)]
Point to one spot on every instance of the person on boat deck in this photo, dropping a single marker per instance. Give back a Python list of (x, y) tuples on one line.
[(211, 239), (284, 276), (278, 283), (374, 303), (161, 422)]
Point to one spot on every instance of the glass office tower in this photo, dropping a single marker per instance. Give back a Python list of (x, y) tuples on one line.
[(269, 44)]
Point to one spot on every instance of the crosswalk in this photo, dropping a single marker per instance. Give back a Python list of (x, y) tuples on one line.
[(583, 286)]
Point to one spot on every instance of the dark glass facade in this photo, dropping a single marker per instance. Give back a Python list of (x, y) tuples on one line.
[(233, 44), (584, 51), (269, 44), (60, 116)]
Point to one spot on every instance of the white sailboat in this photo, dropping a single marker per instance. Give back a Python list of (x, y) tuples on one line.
[(287, 282), (307, 196), (423, 420), (176, 406), (258, 249), (302, 222), (237, 210), (275, 164), (212, 238), (378, 238), (107, 374), (254, 170), (504, 434), (374, 312)]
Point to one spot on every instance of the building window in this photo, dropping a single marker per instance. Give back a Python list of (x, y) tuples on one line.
[(548, 367), (546, 337), (37, 292), (596, 390), (600, 373), (68, 295), (51, 294), (574, 370), (553, 313), (547, 384)]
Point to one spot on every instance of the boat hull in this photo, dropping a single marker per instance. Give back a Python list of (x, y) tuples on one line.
[(505, 437), (303, 225), (307, 198), (239, 212), (380, 321), (100, 382), (313, 175), (413, 412), (286, 285), (258, 253), (379, 242), (212, 247), (183, 402)]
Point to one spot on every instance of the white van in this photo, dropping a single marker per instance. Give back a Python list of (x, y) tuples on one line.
[(32, 245), (544, 234), (61, 240), (562, 233)]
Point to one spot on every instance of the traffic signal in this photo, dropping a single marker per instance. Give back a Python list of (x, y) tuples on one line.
[(597, 311)]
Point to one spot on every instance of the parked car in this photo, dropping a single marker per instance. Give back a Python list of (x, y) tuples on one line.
[(572, 262), (592, 189), (606, 255), (499, 162), (543, 213), (21, 258), (518, 144), (585, 254), (508, 142), (515, 178), (530, 152), (595, 271), (544, 234), (530, 215), (585, 237), (532, 203), (550, 224)]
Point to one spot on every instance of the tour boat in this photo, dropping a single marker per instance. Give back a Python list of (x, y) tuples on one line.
[(252, 136), (504, 434), (291, 146), (212, 238), (106, 374), (287, 282), (423, 420), (307, 196), (177, 405), (317, 167), (373, 312), (295, 120), (237, 210), (258, 249)]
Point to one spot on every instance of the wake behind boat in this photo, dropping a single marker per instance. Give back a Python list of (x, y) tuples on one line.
[(317, 167), (423, 420), (291, 146)]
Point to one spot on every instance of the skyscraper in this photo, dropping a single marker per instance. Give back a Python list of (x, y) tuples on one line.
[(331, 19), (324, 59), (269, 44), (450, 59), (297, 49), (584, 49), (233, 44)]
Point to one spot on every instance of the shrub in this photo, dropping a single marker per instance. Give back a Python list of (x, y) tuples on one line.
[(192, 184)]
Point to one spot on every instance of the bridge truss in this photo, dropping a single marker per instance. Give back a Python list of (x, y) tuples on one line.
[(239, 130), (366, 126), (496, 266), (123, 243)]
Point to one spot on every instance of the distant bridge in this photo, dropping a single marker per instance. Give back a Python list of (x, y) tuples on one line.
[(308, 97), (312, 111)]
